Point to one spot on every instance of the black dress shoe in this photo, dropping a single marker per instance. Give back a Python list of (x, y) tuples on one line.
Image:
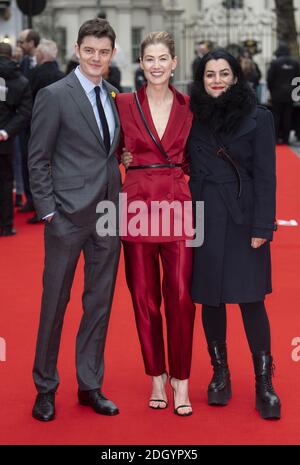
[(44, 407), (18, 200), (8, 231), (98, 402), (34, 220)]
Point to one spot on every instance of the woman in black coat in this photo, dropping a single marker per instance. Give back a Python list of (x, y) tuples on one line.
[(232, 150)]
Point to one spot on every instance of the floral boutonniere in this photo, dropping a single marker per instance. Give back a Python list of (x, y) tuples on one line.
[(113, 94)]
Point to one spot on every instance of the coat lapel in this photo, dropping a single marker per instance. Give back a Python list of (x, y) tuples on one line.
[(115, 141), (247, 125), (174, 125), (178, 117), (205, 135), (79, 96), (138, 119)]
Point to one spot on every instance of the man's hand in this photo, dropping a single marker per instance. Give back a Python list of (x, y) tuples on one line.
[(257, 242), (126, 158), (3, 135), (49, 217)]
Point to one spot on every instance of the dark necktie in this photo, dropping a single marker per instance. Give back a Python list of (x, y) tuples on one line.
[(105, 129)]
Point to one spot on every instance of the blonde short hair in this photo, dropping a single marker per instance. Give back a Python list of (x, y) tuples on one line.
[(158, 37)]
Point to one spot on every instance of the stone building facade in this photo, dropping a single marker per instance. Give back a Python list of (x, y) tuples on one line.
[(188, 20)]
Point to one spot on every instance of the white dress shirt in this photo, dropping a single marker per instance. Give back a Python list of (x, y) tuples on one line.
[(88, 87)]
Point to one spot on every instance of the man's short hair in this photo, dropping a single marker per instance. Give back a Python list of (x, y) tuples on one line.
[(33, 35), (208, 43), (97, 27), (5, 50)]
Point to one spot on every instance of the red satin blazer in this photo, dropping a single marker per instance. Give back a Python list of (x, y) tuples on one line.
[(155, 184)]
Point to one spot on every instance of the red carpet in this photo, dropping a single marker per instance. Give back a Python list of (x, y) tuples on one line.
[(21, 260)]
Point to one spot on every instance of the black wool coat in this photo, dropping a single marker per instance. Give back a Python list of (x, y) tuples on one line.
[(226, 268), (43, 75), (15, 109)]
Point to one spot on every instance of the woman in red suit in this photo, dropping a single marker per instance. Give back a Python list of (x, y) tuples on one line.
[(156, 123)]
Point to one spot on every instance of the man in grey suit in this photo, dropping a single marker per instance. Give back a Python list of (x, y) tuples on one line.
[(72, 165)]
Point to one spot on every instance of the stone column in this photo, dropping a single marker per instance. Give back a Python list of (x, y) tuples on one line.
[(123, 30)]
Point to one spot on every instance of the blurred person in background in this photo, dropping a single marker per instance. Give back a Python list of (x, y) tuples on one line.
[(202, 48), (139, 76), (28, 41), (17, 158), (15, 114), (113, 76), (18, 53), (72, 64), (18, 172), (250, 69), (279, 78), (47, 71)]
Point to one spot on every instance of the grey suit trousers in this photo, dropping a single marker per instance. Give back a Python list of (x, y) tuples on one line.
[(64, 242)]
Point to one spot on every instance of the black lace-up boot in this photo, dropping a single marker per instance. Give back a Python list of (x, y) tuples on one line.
[(267, 401), (219, 389)]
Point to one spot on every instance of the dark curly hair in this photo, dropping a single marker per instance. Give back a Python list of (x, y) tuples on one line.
[(222, 113)]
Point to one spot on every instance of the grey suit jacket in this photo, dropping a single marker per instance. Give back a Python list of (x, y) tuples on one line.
[(69, 168)]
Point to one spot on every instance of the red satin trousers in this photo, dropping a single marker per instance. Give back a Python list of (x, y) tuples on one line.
[(142, 267)]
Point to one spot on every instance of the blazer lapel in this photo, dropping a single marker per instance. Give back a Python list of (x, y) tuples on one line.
[(79, 96), (175, 123), (139, 122), (178, 116), (115, 141)]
